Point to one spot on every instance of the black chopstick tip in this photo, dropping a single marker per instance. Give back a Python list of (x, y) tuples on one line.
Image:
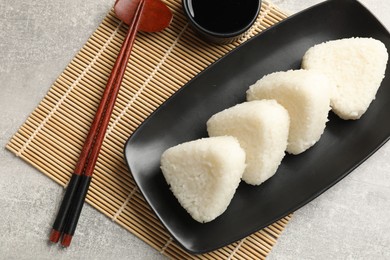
[(66, 240), (54, 236)]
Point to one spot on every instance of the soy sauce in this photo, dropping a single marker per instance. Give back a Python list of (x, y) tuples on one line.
[(223, 16)]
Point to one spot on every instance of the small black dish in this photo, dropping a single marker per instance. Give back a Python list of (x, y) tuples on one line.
[(221, 21)]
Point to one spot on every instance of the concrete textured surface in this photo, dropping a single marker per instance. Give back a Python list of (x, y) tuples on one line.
[(37, 41)]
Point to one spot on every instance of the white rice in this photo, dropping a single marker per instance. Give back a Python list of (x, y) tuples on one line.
[(204, 174), (305, 95), (356, 66), (262, 128)]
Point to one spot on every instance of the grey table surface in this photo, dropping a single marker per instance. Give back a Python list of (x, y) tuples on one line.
[(37, 40)]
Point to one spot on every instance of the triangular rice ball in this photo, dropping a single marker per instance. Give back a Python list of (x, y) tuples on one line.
[(262, 128), (306, 96), (204, 174), (356, 66)]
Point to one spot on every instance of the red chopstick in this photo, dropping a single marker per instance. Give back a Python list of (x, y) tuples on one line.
[(73, 201)]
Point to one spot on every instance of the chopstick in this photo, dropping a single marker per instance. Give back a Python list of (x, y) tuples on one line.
[(68, 215)]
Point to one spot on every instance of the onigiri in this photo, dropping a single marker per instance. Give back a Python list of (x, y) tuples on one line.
[(204, 174), (261, 127), (306, 96), (356, 66)]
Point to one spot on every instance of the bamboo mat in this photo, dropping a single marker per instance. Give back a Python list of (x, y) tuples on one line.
[(52, 137)]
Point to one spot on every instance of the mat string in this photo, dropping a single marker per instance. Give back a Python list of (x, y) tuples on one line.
[(146, 82), (260, 18), (169, 241), (236, 248), (124, 204), (68, 91)]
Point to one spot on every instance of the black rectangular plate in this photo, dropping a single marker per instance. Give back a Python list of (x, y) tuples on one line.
[(299, 179)]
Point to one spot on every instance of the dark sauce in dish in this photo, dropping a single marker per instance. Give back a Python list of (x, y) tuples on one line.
[(223, 16)]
